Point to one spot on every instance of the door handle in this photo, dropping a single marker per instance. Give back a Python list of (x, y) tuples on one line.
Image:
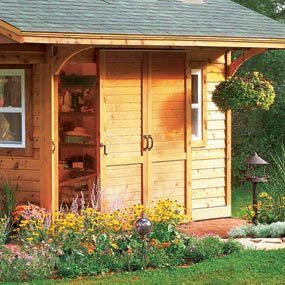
[(105, 148), (150, 146), (145, 139)]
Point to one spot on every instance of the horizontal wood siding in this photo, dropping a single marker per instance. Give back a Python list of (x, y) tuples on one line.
[(123, 188), (169, 181), (209, 162)]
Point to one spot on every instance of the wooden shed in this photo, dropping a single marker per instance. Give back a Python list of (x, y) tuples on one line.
[(119, 91)]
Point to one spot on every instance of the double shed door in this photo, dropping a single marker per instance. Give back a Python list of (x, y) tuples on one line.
[(145, 128)]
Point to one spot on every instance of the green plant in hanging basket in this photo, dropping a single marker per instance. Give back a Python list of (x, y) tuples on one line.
[(253, 91)]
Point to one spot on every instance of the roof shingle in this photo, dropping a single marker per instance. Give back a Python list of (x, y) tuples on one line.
[(213, 18)]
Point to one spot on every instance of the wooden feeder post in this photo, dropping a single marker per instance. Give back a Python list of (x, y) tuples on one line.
[(256, 173)]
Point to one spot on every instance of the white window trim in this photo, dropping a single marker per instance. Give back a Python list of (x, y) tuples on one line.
[(18, 110), (198, 106)]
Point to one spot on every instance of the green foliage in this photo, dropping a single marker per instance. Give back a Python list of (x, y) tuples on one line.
[(231, 246), (249, 92), (271, 206), (78, 264), (4, 226), (7, 206), (7, 199), (274, 230), (198, 250), (272, 8), (241, 198), (33, 263), (247, 267), (258, 130)]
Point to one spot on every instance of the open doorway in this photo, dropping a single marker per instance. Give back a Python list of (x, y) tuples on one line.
[(78, 128)]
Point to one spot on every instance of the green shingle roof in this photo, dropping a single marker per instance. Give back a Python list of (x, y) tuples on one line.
[(213, 18)]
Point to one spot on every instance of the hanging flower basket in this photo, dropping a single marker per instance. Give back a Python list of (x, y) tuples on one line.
[(253, 91)]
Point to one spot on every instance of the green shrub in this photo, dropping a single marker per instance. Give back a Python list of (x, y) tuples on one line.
[(231, 246), (200, 249), (209, 247), (273, 230), (33, 263), (79, 264)]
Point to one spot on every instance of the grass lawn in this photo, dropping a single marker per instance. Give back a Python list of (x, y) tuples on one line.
[(241, 198), (250, 267)]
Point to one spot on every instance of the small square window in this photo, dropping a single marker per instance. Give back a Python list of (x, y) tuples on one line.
[(12, 108)]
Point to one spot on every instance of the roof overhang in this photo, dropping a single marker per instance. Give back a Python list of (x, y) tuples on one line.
[(137, 40), (10, 32)]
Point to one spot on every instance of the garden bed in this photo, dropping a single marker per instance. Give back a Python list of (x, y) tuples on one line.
[(86, 242)]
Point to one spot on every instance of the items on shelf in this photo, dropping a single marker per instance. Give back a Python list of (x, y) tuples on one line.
[(78, 135), (75, 97), (77, 131)]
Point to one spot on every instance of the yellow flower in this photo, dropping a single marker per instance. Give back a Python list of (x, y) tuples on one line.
[(113, 245)]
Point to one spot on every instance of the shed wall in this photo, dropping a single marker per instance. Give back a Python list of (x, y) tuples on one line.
[(209, 192), (24, 171), (133, 176)]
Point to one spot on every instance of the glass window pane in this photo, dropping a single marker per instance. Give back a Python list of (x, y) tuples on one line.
[(195, 80), (10, 91), (195, 122), (10, 128)]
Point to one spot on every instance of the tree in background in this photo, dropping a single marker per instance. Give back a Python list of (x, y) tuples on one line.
[(261, 131), (274, 9)]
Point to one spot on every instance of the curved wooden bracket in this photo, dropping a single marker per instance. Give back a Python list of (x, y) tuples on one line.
[(62, 54), (233, 67)]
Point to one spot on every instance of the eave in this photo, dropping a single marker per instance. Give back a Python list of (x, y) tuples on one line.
[(137, 40), (10, 32), (151, 41)]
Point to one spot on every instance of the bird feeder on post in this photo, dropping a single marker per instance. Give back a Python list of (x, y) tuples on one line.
[(256, 173)]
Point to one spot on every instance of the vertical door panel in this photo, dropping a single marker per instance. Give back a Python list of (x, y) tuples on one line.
[(168, 125), (121, 128)]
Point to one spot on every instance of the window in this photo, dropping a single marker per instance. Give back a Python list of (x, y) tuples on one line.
[(12, 108), (196, 104)]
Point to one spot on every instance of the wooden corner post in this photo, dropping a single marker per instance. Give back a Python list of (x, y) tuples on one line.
[(228, 141), (49, 134)]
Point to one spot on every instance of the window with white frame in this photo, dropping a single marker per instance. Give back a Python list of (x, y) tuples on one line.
[(196, 104), (12, 108)]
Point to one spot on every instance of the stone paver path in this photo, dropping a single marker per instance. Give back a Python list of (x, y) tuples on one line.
[(221, 227), (263, 243)]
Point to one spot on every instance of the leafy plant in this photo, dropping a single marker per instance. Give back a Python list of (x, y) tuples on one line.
[(85, 241), (30, 263), (7, 199), (273, 230), (231, 246), (250, 92), (7, 205), (200, 249), (3, 230)]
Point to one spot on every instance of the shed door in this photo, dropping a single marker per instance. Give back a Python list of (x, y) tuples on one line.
[(168, 125), (122, 125), (143, 94)]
